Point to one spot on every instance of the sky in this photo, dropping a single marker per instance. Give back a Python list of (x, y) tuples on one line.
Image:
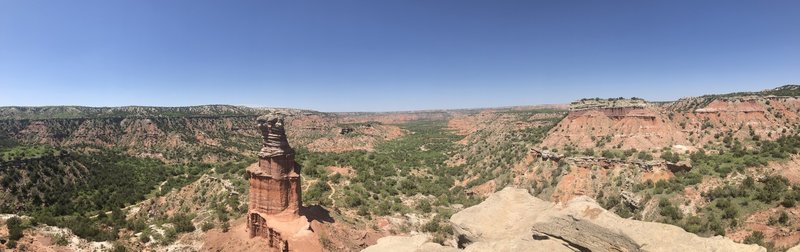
[(389, 55)]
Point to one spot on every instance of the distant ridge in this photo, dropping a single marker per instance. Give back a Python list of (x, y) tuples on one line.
[(73, 112)]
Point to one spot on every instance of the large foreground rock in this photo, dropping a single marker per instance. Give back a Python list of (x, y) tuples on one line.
[(417, 243), (513, 220)]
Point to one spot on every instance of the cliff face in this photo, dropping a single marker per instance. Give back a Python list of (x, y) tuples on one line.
[(625, 127), (688, 122)]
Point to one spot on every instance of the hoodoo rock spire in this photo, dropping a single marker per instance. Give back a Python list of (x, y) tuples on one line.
[(275, 182), (275, 195)]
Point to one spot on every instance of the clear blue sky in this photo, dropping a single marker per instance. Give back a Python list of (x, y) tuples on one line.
[(389, 55)]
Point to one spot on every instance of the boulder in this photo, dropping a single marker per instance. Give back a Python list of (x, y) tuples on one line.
[(505, 214), (579, 224)]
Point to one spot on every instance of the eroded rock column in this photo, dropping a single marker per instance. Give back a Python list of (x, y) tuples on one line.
[(275, 180)]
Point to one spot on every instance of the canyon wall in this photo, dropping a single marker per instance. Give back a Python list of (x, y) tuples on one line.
[(689, 122)]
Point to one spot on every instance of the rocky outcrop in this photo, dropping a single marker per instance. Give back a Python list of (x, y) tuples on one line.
[(275, 195), (417, 243), (546, 154), (346, 130), (513, 220), (606, 163)]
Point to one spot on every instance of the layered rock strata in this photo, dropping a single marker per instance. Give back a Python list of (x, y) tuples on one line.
[(690, 122), (275, 181), (275, 194)]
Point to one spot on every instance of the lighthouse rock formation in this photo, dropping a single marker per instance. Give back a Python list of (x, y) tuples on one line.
[(275, 195)]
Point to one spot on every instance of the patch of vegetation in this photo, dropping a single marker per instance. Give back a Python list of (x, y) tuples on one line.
[(22, 152), (207, 226), (491, 154), (669, 211), (76, 190), (403, 167), (644, 156), (15, 228), (729, 203), (182, 222)]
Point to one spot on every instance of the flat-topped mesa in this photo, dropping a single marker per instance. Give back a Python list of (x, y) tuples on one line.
[(614, 108), (613, 103)]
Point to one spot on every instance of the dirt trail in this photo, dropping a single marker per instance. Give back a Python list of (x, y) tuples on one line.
[(308, 182), (161, 185), (333, 191)]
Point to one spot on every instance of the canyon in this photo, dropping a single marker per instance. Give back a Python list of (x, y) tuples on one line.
[(714, 172)]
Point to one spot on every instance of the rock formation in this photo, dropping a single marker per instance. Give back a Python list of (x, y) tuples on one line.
[(689, 122), (275, 181), (274, 200), (513, 220), (617, 103), (608, 123)]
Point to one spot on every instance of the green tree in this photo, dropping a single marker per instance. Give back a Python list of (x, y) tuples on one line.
[(14, 225)]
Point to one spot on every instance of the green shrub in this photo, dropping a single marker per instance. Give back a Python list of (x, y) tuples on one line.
[(60, 240), (144, 237), (783, 218), (788, 202), (670, 157), (424, 206), (207, 226), (15, 229), (669, 211), (169, 236), (182, 223), (645, 156), (756, 237), (431, 226)]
